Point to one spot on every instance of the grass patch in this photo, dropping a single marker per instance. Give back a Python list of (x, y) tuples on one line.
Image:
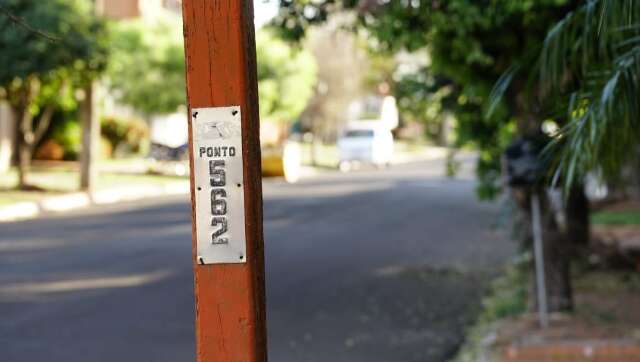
[(607, 282), (630, 217), (508, 294), (58, 180), (507, 297), (10, 197)]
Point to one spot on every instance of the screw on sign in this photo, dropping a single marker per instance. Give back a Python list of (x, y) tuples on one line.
[(225, 180)]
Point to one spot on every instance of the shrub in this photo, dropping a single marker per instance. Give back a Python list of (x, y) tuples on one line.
[(106, 150), (50, 150), (126, 135), (68, 135)]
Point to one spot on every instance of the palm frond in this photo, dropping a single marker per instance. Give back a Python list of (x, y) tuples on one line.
[(594, 54), (602, 132), (500, 88)]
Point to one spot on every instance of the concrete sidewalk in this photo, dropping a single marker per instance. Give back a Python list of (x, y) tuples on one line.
[(75, 200)]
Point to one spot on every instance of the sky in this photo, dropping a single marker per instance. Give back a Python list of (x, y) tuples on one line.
[(264, 10)]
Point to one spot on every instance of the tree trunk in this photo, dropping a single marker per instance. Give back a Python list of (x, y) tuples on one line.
[(314, 141), (25, 144), (24, 162), (557, 261), (577, 216), (90, 138), (26, 135), (314, 150)]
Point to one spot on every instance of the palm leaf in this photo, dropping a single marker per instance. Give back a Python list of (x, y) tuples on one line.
[(599, 46)]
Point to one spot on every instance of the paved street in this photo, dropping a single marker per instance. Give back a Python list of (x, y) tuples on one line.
[(368, 266)]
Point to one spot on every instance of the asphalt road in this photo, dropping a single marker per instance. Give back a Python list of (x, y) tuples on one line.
[(368, 266)]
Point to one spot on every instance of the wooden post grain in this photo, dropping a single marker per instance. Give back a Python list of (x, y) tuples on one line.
[(221, 71)]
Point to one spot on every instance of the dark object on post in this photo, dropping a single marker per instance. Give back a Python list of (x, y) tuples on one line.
[(522, 163)]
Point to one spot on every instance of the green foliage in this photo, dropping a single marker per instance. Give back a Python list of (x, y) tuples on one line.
[(470, 43), (125, 135), (50, 49), (286, 76), (148, 57), (420, 98), (39, 70), (76, 40), (68, 134), (296, 16), (36, 71), (591, 63), (616, 218), (507, 297), (146, 70)]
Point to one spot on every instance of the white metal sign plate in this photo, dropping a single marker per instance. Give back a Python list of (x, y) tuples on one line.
[(219, 185)]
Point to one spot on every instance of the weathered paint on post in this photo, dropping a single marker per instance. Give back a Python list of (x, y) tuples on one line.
[(221, 71)]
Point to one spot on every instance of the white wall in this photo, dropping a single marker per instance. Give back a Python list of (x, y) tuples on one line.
[(170, 130), (7, 137)]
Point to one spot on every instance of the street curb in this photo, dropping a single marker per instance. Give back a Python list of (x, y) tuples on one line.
[(431, 153), (77, 200), (400, 158), (576, 351)]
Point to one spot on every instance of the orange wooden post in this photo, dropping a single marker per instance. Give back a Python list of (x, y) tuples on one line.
[(221, 72)]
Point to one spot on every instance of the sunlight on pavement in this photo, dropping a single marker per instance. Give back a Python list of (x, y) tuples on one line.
[(25, 290), (30, 245)]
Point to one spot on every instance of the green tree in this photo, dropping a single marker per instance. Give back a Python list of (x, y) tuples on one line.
[(589, 66), (49, 48), (146, 69), (586, 76), (472, 44), (286, 77), (428, 99)]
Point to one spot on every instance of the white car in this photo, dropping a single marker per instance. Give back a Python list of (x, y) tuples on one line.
[(369, 142)]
